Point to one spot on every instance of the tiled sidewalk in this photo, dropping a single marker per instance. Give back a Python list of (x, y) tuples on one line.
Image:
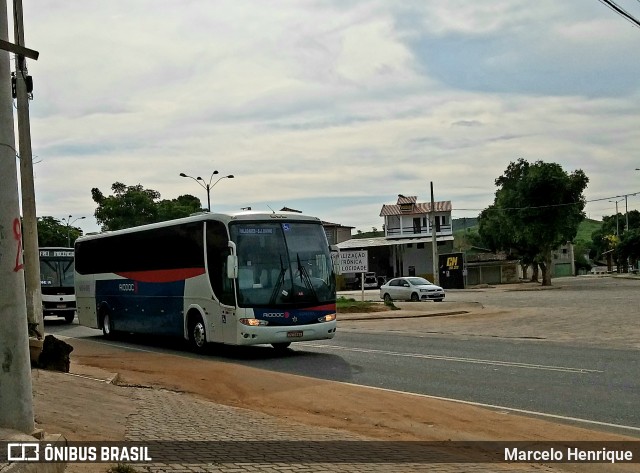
[(167, 415)]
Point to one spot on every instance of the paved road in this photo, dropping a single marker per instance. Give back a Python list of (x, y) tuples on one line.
[(594, 311), (596, 384), (539, 350)]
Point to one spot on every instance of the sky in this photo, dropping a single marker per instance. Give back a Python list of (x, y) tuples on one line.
[(331, 107)]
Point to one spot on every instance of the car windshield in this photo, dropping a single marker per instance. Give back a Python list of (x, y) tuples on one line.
[(282, 264), (418, 281)]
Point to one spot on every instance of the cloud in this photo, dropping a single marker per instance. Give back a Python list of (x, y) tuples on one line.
[(331, 107)]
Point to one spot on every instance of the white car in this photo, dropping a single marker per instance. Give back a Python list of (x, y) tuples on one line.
[(411, 289)]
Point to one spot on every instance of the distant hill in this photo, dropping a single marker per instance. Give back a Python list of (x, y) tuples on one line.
[(586, 228), (464, 223), (368, 235)]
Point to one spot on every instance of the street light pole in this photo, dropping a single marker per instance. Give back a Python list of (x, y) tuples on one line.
[(434, 241), (207, 185), (69, 223)]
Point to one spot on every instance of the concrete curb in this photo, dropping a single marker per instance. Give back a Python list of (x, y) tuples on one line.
[(390, 315), (91, 372), (407, 310)]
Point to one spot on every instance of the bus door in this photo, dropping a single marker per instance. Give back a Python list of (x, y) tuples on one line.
[(224, 314)]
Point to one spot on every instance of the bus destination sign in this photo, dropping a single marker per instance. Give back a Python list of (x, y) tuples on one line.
[(56, 253)]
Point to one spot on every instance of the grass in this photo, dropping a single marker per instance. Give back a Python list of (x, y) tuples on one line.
[(346, 306), (586, 228)]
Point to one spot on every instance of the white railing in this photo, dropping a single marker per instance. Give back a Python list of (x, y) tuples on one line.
[(411, 231)]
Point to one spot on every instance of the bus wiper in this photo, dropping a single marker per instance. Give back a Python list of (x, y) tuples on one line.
[(278, 284), (304, 276)]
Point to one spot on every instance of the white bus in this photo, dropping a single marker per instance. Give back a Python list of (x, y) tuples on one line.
[(242, 279), (56, 282)]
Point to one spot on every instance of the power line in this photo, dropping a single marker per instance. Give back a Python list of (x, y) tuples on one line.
[(620, 11), (552, 205)]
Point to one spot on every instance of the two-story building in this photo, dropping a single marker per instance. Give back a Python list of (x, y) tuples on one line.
[(406, 247)]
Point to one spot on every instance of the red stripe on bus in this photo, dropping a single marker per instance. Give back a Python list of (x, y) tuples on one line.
[(323, 307), (163, 275)]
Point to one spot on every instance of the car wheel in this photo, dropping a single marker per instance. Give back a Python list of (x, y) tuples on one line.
[(387, 298), (414, 297), (197, 334)]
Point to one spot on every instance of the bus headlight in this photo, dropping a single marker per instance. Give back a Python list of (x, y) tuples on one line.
[(327, 318), (253, 322)]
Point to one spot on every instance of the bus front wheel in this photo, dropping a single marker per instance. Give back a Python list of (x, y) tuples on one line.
[(281, 346), (197, 335)]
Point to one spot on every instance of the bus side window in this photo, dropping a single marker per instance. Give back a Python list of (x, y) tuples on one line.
[(217, 252)]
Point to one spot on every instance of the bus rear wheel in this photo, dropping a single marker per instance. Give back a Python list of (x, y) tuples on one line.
[(197, 335), (107, 327)]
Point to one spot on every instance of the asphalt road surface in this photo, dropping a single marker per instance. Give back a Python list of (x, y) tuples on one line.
[(572, 351)]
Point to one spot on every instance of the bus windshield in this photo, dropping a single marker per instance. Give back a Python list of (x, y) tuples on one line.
[(56, 268), (282, 264)]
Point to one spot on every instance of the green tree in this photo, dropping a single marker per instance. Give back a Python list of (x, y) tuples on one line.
[(537, 207), (616, 225), (182, 206), (130, 206), (52, 232), (498, 233), (629, 247)]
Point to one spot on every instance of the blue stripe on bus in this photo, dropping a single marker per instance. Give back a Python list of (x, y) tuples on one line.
[(292, 316), (143, 307)]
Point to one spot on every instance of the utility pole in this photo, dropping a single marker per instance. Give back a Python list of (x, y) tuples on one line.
[(29, 219), (617, 216), (15, 376), (434, 243), (626, 213)]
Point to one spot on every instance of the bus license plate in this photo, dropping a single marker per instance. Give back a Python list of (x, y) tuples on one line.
[(61, 306), (294, 334)]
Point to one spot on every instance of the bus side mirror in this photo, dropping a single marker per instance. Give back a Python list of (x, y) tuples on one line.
[(232, 266), (232, 261)]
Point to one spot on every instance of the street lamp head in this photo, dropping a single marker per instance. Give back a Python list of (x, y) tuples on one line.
[(183, 174), (230, 176)]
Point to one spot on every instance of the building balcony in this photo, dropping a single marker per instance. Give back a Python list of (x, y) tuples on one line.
[(411, 231)]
